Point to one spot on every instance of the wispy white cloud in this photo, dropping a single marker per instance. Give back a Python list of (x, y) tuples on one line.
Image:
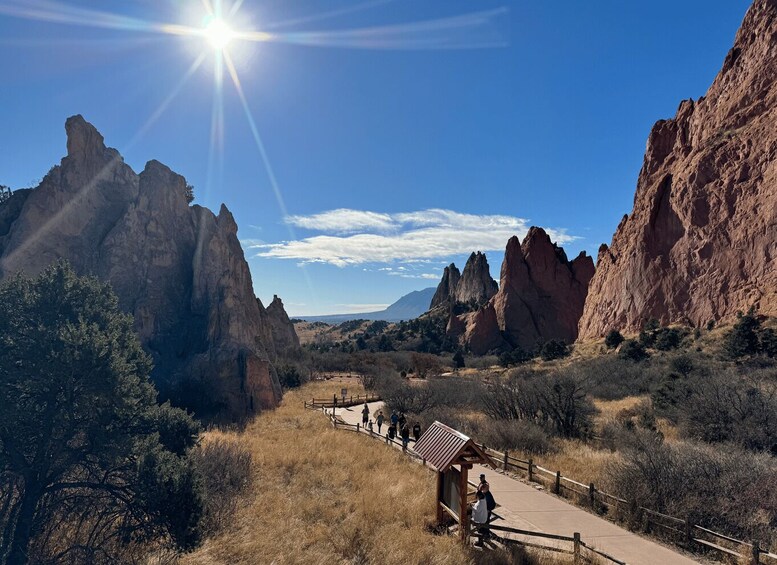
[(353, 237), (344, 220)]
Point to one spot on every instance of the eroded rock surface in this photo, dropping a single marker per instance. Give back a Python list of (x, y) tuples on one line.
[(468, 289), (541, 297), (701, 241), (179, 269)]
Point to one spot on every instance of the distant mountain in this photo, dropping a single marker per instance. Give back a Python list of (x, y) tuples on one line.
[(408, 307)]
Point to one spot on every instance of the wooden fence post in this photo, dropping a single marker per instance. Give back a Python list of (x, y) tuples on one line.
[(505, 460), (688, 532), (591, 494), (576, 548), (756, 554), (531, 470), (557, 486), (357, 427)]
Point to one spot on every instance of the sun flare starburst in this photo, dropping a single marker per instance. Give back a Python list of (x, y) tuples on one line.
[(218, 33)]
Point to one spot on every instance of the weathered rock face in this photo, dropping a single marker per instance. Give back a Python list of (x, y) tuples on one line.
[(476, 285), (541, 296), (178, 269), (701, 241), (446, 290), (471, 288), (284, 338)]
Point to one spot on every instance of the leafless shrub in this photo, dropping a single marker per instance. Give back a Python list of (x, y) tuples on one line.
[(731, 408), (724, 490), (558, 400), (225, 468), (524, 436)]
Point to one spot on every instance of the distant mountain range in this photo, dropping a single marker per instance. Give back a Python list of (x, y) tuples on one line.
[(408, 307)]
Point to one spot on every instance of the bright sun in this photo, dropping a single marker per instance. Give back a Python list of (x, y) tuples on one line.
[(218, 33)]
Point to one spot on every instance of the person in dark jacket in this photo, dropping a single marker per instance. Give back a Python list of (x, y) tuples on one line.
[(392, 431), (365, 414), (416, 431), (402, 421), (379, 420), (485, 488), (405, 436)]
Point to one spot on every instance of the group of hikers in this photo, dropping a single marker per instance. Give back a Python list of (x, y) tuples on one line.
[(398, 425), (484, 502)]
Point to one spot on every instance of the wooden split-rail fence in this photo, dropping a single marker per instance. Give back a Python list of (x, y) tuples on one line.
[(341, 402), (581, 552), (680, 531)]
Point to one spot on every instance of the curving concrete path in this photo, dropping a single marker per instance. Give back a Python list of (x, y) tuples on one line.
[(525, 507)]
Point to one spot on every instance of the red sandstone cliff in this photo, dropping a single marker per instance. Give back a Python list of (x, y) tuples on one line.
[(701, 241)]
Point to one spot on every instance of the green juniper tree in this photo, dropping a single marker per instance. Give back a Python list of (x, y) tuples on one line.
[(84, 446)]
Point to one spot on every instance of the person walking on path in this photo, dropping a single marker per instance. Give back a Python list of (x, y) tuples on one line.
[(416, 431), (405, 436), (365, 414), (485, 488), (379, 420), (480, 516), (392, 431), (402, 420), (394, 419)]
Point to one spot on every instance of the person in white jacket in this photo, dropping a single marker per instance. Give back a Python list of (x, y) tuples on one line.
[(480, 516)]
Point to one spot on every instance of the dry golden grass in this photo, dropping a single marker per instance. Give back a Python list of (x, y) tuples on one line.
[(608, 409), (579, 461), (327, 496)]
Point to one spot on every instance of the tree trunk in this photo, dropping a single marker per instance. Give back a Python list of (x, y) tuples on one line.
[(22, 533)]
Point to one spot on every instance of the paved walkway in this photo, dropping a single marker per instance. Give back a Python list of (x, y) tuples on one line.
[(525, 507)]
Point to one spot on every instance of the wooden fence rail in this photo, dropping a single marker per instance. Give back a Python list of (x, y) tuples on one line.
[(577, 544), (339, 402), (683, 532)]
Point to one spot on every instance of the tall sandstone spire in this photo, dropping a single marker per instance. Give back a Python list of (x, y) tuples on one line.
[(476, 285), (541, 296), (178, 269), (701, 241), (472, 287), (446, 290)]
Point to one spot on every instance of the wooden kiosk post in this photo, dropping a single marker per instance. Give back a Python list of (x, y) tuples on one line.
[(444, 449)]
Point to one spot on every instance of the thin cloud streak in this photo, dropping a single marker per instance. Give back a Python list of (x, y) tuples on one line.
[(353, 237)]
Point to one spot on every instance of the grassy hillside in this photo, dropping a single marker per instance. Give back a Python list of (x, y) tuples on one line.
[(326, 496)]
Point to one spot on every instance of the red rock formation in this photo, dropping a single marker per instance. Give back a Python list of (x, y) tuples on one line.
[(541, 296), (284, 338), (473, 287), (178, 269), (476, 285), (446, 290), (701, 241)]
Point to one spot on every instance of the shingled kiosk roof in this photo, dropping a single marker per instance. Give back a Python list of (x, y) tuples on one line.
[(442, 447)]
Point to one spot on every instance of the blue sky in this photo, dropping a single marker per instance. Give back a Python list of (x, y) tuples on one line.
[(438, 128)]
